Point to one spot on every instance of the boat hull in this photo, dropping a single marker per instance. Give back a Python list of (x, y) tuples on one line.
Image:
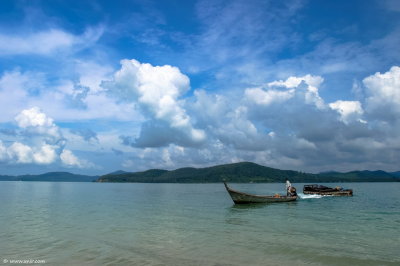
[(245, 198), (326, 191), (332, 193)]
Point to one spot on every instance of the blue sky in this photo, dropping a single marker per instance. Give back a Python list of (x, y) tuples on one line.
[(96, 86)]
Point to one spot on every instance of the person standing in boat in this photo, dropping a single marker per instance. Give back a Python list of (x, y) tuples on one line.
[(288, 187)]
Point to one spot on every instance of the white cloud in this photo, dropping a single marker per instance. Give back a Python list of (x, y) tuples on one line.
[(290, 125), (267, 97), (348, 110), (225, 119), (284, 124), (20, 152), (65, 100), (70, 160), (92, 74), (46, 154), (38, 141), (157, 90), (211, 109), (24, 154), (46, 42), (312, 84), (3, 151), (33, 118), (14, 92), (292, 82), (239, 131), (383, 94)]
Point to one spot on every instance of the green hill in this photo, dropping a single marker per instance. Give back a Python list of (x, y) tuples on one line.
[(7, 178), (243, 173), (362, 176), (396, 174), (51, 177)]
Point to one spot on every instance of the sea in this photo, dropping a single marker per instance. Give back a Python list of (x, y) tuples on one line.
[(55, 223)]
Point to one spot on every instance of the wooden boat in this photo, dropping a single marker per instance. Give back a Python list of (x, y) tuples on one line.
[(245, 198), (326, 191)]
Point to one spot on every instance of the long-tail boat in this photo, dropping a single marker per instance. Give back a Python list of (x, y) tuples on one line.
[(245, 198), (326, 191)]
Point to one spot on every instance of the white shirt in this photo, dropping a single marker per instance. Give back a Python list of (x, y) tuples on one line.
[(288, 185)]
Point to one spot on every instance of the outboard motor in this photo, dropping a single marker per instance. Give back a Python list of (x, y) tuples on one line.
[(292, 191)]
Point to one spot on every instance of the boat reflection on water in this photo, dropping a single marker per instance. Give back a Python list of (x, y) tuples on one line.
[(248, 206)]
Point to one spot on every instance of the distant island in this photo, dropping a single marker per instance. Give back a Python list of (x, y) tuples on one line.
[(51, 177), (243, 172)]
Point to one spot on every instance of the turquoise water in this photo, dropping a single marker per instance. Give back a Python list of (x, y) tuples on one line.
[(195, 224)]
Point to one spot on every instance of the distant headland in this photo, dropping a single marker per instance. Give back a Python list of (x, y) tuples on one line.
[(243, 172)]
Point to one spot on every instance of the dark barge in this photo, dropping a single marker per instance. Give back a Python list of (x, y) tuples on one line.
[(326, 191)]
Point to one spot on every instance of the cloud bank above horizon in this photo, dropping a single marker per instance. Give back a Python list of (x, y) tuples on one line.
[(143, 90)]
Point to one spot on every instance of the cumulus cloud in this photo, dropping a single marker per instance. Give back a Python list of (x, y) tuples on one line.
[(24, 154), (287, 123), (348, 110), (312, 83), (240, 132), (3, 152), (284, 124), (46, 154), (65, 99), (157, 90), (305, 87), (293, 82), (225, 120), (70, 160), (39, 141), (383, 94), (34, 121), (260, 96), (267, 119), (20, 153), (33, 118)]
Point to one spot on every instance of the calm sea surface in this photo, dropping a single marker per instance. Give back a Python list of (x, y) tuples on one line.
[(196, 224)]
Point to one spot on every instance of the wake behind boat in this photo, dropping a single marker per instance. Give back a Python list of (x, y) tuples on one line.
[(245, 198)]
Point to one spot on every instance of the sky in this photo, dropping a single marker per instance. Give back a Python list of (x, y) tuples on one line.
[(93, 87)]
